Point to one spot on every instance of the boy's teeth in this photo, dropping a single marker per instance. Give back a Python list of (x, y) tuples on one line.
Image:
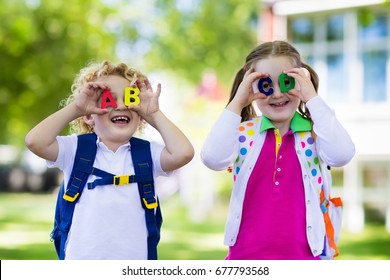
[(120, 119)]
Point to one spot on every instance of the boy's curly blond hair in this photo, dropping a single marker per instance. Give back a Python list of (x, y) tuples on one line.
[(92, 72)]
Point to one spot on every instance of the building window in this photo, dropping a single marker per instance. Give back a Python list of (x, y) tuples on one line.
[(301, 30), (335, 28), (337, 86), (375, 82), (373, 26), (372, 35), (325, 39)]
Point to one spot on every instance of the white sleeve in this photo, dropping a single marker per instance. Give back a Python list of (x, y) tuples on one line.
[(221, 145), (156, 150), (334, 145), (67, 146)]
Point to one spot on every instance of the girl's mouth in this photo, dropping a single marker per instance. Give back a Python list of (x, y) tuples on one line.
[(120, 120), (279, 104)]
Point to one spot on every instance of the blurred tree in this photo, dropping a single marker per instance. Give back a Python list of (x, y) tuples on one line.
[(195, 36), (43, 44)]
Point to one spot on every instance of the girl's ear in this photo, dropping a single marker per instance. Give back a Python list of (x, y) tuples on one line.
[(89, 120)]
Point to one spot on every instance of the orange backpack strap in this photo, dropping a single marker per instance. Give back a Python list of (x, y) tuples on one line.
[(328, 223)]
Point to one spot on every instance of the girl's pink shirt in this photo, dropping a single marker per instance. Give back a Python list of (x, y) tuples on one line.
[(273, 224)]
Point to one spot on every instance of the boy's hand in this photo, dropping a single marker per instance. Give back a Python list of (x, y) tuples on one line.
[(149, 100), (87, 100)]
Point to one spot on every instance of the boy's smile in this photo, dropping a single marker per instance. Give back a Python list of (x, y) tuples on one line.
[(121, 120)]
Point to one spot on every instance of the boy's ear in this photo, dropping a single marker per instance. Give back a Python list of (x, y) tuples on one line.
[(89, 120)]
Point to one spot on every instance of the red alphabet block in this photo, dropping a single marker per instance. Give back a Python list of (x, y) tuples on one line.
[(107, 99)]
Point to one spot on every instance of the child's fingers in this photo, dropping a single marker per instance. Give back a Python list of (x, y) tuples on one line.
[(298, 73), (147, 84), (251, 75), (141, 85), (299, 77), (256, 76), (158, 90), (304, 88), (97, 85), (248, 72), (306, 72)]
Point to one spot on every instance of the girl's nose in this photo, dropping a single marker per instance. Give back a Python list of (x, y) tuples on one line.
[(277, 92)]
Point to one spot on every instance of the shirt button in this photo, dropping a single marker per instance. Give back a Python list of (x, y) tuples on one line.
[(280, 157), (308, 201), (278, 169), (276, 183), (309, 227)]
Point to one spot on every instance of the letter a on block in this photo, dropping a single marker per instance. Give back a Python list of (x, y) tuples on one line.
[(132, 96), (107, 99)]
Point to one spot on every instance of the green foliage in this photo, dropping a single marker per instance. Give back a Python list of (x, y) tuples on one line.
[(43, 44), (26, 221), (195, 36)]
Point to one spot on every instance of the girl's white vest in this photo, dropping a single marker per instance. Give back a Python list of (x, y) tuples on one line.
[(319, 172)]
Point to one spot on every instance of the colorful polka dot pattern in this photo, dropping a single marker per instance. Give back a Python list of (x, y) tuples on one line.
[(247, 135), (307, 144)]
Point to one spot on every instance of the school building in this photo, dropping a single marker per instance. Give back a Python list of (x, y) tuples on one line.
[(348, 43)]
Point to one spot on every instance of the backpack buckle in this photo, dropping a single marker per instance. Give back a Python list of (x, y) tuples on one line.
[(150, 205), (121, 180), (70, 198), (324, 205)]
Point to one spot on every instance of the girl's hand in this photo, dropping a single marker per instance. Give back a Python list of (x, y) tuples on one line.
[(148, 100), (304, 88), (245, 95), (87, 100)]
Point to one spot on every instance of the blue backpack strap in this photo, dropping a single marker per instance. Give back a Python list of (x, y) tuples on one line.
[(143, 165), (67, 198)]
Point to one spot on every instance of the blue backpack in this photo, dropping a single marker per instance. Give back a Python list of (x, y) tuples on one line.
[(83, 167)]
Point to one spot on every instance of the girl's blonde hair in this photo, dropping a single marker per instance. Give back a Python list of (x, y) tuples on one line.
[(272, 49), (92, 72)]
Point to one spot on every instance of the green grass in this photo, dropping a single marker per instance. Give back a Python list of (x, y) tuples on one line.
[(26, 223)]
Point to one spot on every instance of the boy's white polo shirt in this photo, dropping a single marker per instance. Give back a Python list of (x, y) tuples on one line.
[(108, 221)]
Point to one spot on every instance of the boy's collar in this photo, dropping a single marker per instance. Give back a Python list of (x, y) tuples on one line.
[(101, 144), (298, 123)]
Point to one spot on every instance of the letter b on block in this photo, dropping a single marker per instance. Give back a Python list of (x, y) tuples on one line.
[(132, 96)]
